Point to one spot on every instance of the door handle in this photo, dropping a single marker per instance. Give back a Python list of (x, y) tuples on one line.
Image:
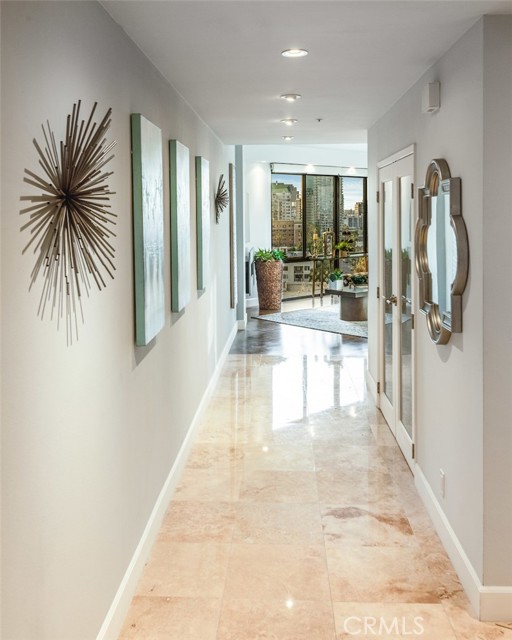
[(392, 300)]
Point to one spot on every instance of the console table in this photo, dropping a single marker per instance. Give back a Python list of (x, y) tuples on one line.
[(353, 303)]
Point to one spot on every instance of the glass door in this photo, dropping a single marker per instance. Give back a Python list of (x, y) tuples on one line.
[(405, 304), (388, 287), (396, 299)]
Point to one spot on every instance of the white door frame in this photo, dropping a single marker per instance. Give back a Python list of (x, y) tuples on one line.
[(392, 412)]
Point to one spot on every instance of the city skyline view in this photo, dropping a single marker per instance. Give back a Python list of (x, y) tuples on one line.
[(305, 206), (351, 186)]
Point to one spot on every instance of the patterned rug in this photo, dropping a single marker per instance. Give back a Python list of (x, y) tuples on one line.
[(322, 319)]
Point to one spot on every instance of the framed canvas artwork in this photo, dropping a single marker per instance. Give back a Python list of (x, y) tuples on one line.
[(232, 237), (203, 221), (148, 228), (180, 225)]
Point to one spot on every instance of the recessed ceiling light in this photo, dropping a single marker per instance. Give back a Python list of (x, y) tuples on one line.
[(291, 97), (287, 138), (289, 121), (294, 53)]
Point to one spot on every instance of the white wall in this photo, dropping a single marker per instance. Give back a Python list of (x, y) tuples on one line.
[(454, 415), (1, 474), (90, 431), (257, 159), (497, 243)]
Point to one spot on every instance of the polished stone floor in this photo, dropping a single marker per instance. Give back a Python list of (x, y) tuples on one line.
[(297, 517)]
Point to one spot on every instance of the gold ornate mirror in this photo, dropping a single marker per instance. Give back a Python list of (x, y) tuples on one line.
[(442, 252)]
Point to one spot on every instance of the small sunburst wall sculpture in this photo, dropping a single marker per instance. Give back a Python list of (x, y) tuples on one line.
[(221, 198), (70, 219)]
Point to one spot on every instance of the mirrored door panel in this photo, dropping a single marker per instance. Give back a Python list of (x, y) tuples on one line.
[(387, 318), (406, 303)]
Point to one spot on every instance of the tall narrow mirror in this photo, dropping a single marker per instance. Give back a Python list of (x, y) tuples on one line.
[(442, 254)]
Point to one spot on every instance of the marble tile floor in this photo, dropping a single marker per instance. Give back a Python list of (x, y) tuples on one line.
[(297, 517)]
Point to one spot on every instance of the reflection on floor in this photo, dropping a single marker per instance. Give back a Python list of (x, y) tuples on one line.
[(297, 517)]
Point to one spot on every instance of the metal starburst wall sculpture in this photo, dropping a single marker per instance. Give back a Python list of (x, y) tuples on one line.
[(221, 198), (69, 218)]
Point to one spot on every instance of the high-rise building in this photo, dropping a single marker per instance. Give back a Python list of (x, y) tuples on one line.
[(286, 203)]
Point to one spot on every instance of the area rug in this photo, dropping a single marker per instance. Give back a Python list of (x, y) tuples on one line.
[(322, 319)]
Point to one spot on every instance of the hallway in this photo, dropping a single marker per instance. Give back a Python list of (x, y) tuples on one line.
[(297, 517)]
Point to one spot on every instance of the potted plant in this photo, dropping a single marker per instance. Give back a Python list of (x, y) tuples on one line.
[(335, 279), (343, 247), (269, 278)]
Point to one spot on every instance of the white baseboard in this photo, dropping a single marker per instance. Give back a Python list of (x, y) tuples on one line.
[(454, 549), (489, 603), (116, 615), (242, 324), (496, 604)]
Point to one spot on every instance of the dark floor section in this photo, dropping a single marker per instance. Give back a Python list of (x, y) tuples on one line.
[(269, 338)]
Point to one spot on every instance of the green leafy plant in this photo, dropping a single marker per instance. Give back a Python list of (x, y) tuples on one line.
[(269, 255), (343, 245), (337, 274), (348, 239)]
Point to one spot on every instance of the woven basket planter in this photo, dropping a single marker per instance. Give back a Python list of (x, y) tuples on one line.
[(269, 279)]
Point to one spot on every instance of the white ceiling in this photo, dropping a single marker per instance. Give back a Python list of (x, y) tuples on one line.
[(224, 58)]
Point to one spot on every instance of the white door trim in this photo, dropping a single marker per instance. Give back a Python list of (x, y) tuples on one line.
[(399, 155), (390, 409)]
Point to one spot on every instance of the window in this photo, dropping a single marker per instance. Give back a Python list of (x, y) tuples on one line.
[(352, 209), (304, 206), (319, 210), (287, 222)]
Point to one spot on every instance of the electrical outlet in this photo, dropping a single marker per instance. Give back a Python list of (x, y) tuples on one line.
[(442, 482)]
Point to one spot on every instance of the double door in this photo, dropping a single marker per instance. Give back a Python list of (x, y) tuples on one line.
[(396, 389)]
